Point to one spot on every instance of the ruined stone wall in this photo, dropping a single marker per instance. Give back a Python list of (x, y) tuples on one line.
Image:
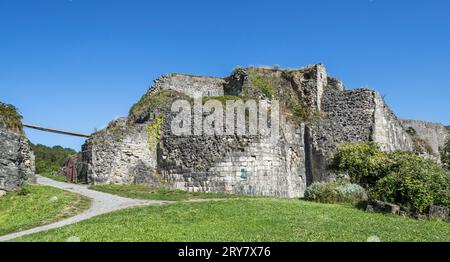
[(232, 164), (246, 164), (120, 154), (193, 86), (388, 131), (359, 115), (307, 84), (356, 115), (347, 116), (434, 134), (17, 164)]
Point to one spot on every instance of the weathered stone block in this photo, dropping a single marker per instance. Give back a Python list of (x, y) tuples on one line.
[(16, 160), (380, 206), (370, 208), (439, 212), (419, 216), (404, 213)]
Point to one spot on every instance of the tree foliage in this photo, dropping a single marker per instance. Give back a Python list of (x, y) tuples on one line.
[(50, 159), (445, 155), (403, 178), (414, 183), (365, 163)]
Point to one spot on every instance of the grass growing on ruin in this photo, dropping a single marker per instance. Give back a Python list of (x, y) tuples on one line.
[(145, 192), (35, 205), (154, 100), (263, 85), (10, 117), (222, 99), (256, 220)]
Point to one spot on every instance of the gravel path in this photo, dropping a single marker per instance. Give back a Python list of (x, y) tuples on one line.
[(102, 203)]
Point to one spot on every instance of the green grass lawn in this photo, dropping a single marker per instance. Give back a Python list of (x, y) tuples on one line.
[(37, 205), (54, 177), (145, 192), (250, 220)]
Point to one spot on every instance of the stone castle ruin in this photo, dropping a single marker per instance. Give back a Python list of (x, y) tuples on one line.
[(319, 114), (16, 156)]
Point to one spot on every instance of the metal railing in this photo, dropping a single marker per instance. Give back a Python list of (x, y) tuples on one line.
[(52, 130)]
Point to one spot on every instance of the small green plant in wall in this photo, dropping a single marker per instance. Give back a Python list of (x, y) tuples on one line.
[(153, 132), (263, 85)]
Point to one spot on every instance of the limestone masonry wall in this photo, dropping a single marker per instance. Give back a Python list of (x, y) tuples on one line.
[(16, 160), (434, 134), (348, 116), (120, 154), (194, 86), (388, 131), (232, 164), (123, 152)]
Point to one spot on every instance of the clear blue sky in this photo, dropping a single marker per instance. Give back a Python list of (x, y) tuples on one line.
[(77, 64)]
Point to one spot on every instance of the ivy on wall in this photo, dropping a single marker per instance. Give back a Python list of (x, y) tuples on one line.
[(153, 132)]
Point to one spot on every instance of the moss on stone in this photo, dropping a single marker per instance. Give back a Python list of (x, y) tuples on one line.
[(298, 111), (10, 117), (153, 131), (152, 100), (221, 99)]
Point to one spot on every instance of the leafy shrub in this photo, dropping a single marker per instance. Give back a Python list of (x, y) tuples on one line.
[(365, 163), (351, 193), (414, 183), (403, 178), (445, 155), (321, 192), (335, 192), (49, 160)]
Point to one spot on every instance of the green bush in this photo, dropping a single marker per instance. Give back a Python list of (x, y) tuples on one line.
[(335, 192), (445, 155), (402, 178), (414, 183), (365, 163), (49, 160)]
